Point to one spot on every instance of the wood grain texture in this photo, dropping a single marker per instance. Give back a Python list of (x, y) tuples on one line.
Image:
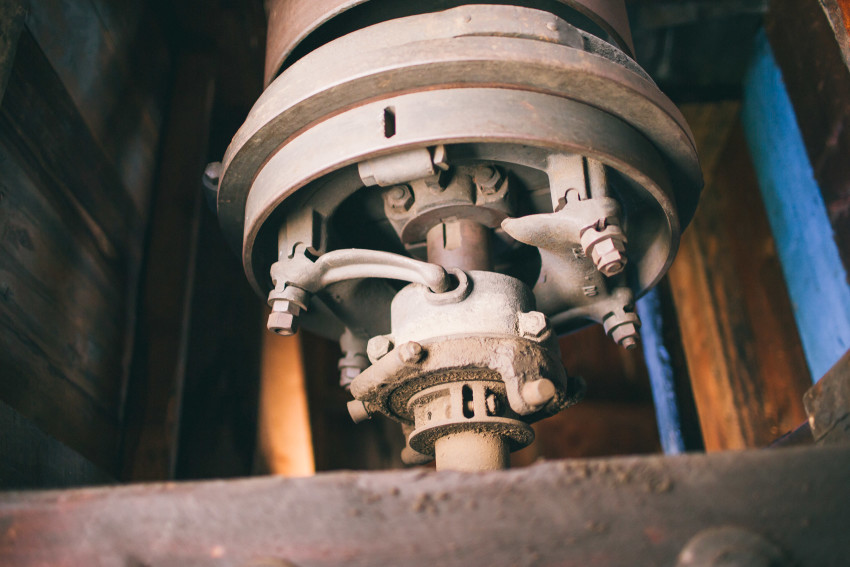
[(111, 56), (575, 513), (70, 250), (744, 356), (812, 48)]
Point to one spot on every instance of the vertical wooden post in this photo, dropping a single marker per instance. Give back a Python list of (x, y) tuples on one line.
[(285, 439), (747, 366), (154, 392)]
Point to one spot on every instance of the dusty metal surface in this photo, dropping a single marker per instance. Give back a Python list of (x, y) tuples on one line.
[(627, 511), (508, 141), (292, 22)]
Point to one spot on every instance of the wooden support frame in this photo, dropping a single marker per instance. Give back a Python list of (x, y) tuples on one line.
[(624, 511)]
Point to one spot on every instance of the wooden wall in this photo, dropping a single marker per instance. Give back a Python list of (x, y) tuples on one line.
[(80, 124)]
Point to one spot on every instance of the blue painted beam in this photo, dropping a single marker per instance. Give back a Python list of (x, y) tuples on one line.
[(815, 276), (661, 376)]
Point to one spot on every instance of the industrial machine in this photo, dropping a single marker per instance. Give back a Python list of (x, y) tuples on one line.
[(446, 187)]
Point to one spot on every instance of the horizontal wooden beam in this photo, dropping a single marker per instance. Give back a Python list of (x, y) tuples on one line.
[(626, 511)]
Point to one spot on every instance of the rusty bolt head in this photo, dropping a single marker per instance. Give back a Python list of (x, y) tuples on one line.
[(626, 335), (538, 392), (609, 257), (283, 319), (487, 179), (399, 198), (532, 325), (378, 347), (410, 353)]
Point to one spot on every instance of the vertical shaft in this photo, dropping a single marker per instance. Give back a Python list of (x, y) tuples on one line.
[(470, 451), (462, 243)]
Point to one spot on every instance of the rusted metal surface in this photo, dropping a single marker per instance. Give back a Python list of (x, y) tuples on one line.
[(627, 511), (828, 405), (314, 22)]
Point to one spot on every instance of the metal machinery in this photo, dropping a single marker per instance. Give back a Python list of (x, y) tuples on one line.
[(445, 187)]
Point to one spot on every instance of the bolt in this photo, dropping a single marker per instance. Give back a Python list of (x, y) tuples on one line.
[(532, 325), (626, 335), (730, 547), (410, 353), (538, 392), (358, 411), (378, 347), (283, 319), (487, 179), (608, 256), (399, 198)]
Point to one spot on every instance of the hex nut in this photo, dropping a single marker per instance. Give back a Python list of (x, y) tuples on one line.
[(378, 347), (608, 256), (410, 353), (487, 178), (626, 335), (532, 325), (283, 319), (606, 248), (538, 392), (399, 198)]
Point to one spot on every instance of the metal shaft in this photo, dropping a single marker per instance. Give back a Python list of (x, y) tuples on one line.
[(470, 451), (463, 244)]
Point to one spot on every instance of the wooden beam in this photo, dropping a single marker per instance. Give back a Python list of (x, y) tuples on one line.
[(286, 444), (809, 39), (604, 513), (33, 459), (155, 390), (744, 356)]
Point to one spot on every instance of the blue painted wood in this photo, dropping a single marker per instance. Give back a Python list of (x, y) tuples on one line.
[(816, 279), (660, 374)]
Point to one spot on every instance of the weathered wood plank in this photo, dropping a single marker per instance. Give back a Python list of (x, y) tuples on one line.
[(11, 24), (744, 355), (111, 57), (164, 312), (59, 145), (70, 245), (604, 513), (33, 459)]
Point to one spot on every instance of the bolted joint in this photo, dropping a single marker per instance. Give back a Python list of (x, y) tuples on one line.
[(607, 249), (398, 199), (283, 319), (378, 347), (623, 328), (626, 336), (532, 325), (488, 179), (411, 353)]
